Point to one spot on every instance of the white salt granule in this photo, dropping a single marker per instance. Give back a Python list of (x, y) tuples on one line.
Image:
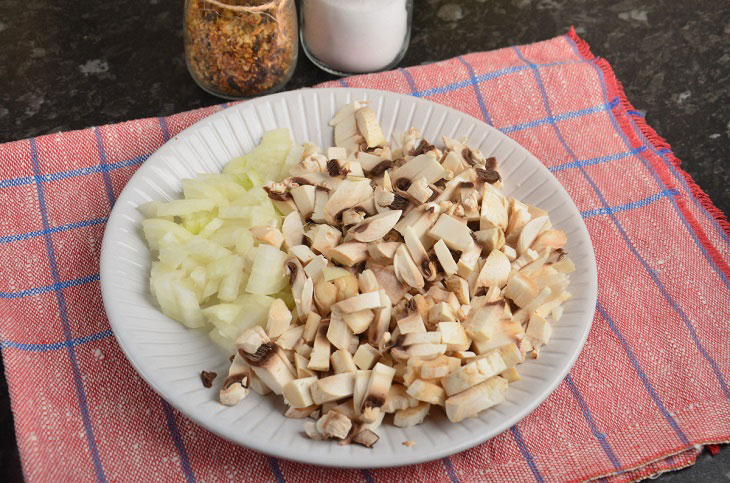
[(355, 35)]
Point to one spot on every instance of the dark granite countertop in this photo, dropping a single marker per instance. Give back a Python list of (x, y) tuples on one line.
[(70, 65)]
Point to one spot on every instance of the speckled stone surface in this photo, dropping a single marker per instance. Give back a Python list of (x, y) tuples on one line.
[(71, 65)]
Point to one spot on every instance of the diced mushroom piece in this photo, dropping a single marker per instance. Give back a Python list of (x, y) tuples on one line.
[(468, 260), (494, 209), (367, 124), (419, 190), (425, 351), (279, 319), (406, 270), (314, 268), (506, 331), (251, 339), (332, 388), (349, 193), (521, 290), (271, 365), (335, 152), (375, 227), (300, 364), (323, 238), (422, 166), (518, 218), (490, 239), (529, 234), (455, 234), (367, 282), (459, 287), (366, 437), (258, 386), (310, 326), (334, 425), (427, 392), (441, 312), (310, 429), (553, 239), (494, 272), (352, 216), (366, 356), (389, 283), (348, 254), (292, 229), (445, 258), (319, 360), (338, 332), (411, 323), (235, 386), (482, 322), (342, 362), (302, 348), (435, 369), (297, 392), (511, 374), (346, 111), (290, 337), (303, 253), (382, 319), (538, 330), (346, 286), (321, 197), (419, 255), (364, 301), (299, 413), (325, 295), (362, 378), (509, 252), (303, 197), (421, 338), (470, 403), (383, 252), (510, 354), (454, 336), (359, 321), (346, 132), (398, 398), (405, 418), (267, 234), (381, 378), (473, 373), (464, 355)]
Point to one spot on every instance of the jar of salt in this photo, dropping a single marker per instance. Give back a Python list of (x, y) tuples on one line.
[(355, 36)]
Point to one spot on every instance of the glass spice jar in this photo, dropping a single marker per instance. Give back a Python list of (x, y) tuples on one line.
[(240, 48)]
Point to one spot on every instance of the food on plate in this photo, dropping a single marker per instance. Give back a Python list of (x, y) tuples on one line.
[(362, 280)]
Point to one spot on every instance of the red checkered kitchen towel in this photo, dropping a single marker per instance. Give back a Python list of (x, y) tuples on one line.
[(649, 389)]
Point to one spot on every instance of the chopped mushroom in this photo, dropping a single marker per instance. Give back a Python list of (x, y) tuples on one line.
[(415, 282)]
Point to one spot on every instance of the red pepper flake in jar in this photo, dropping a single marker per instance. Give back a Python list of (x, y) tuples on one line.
[(237, 48)]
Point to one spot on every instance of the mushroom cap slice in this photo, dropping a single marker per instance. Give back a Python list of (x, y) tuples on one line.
[(473, 373), (332, 388), (349, 254), (297, 392), (471, 402), (529, 233), (367, 124), (375, 227), (405, 418), (363, 301), (454, 233), (406, 270)]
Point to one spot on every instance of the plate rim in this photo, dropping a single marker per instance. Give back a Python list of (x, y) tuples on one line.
[(331, 459)]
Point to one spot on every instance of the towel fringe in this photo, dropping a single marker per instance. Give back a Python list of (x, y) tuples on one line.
[(654, 138)]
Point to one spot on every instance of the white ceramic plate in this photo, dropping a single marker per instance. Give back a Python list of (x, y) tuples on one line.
[(170, 357)]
